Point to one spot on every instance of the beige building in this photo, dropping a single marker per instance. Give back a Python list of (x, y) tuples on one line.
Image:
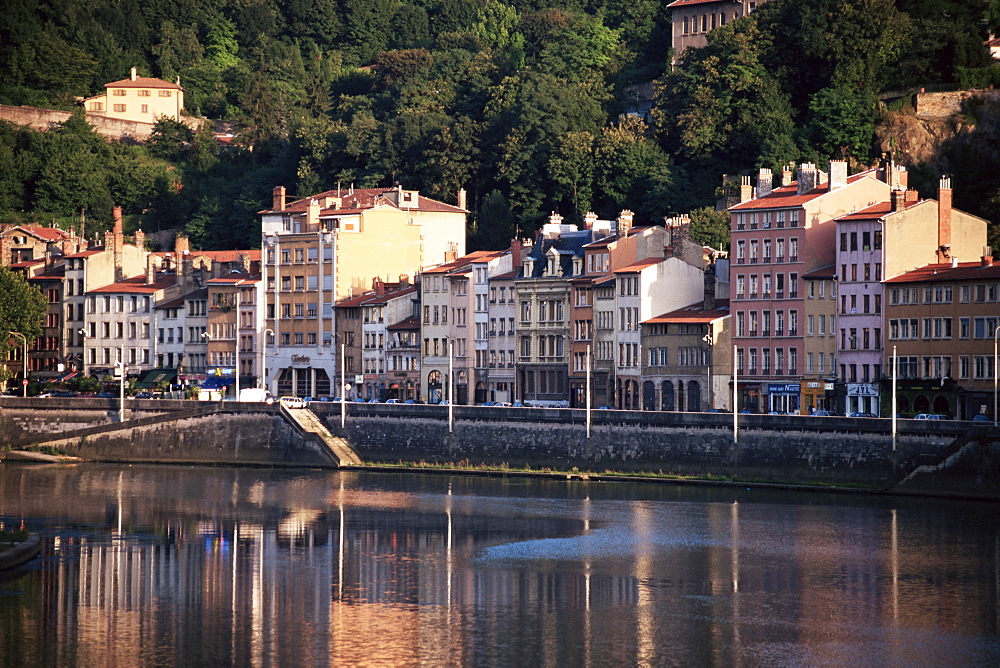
[(820, 342), (140, 99), (693, 19), (329, 247)]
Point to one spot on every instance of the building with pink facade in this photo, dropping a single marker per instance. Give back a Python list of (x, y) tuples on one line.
[(778, 235)]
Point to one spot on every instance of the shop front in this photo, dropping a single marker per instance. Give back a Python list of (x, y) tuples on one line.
[(863, 398), (784, 397), (817, 395)]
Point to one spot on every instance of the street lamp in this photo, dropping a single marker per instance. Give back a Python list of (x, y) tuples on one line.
[(588, 391), (83, 355), (24, 364), (708, 339), (121, 385), (996, 358), (263, 358), (451, 387)]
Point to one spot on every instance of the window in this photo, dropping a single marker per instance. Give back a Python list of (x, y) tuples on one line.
[(119, 92), (145, 108), (164, 93), (120, 107)]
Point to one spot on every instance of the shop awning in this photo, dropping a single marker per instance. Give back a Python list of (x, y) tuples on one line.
[(156, 376), (217, 382)]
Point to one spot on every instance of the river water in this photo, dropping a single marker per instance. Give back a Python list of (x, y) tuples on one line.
[(161, 565)]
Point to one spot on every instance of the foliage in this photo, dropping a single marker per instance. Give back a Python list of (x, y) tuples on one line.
[(518, 102), (22, 308), (710, 227)]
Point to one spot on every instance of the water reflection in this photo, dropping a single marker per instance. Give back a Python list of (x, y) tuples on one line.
[(145, 564)]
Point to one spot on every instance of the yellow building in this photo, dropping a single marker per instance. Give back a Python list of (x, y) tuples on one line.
[(326, 248), (140, 99)]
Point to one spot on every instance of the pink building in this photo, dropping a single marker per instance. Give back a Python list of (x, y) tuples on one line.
[(777, 237)]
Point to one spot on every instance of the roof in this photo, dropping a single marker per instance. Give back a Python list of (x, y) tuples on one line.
[(690, 3), (27, 264), (788, 196), (693, 314), (463, 262), (235, 278), (503, 277), (200, 293), (965, 271), (143, 82), (829, 271), (636, 267), (358, 201), (391, 294), (43, 233), (52, 273), (217, 255), (86, 253), (875, 211), (411, 324), (136, 284)]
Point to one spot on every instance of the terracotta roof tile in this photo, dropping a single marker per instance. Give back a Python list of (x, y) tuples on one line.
[(695, 313), (136, 284), (965, 271), (143, 82), (786, 196)]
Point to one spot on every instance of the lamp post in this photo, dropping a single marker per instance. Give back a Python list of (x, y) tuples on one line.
[(451, 387), (121, 383), (895, 375), (588, 391), (236, 333), (83, 355), (24, 364), (343, 385), (996, 358), (736, 400), (708, 339), (263, 359)]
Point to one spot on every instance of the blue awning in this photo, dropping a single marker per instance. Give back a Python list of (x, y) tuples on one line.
[(217, 382)]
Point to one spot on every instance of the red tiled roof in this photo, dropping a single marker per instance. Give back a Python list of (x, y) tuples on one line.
[(786, 196), (502, 277), (875, 211), (463, 262), (143, 82), (391, 294), (26, 264), (173, 303), (55, 273), (695, 313), (689, 3), (217, 256), (965, 271), (829, 271), (636, 267), (136, 284), (235, 278), (360, 200), (86, 253), (43, 233)]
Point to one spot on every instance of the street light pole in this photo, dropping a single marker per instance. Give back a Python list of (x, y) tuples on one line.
[(588, 391), (708, 339), (121, 386), (895, 375), (24, 364), (237, 334), (343, 385), (736, 402), (996, 358), (83, 355), (451, 388), (263, 359)]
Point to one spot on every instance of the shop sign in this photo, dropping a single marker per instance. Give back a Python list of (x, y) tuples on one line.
[(300, 359), (359, 378), (814, 385), (862, 390), (783, 388)]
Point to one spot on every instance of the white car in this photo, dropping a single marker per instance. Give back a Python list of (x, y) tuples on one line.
[(292, 402)]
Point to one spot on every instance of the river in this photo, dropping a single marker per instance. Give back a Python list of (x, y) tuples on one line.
[(171, 565)]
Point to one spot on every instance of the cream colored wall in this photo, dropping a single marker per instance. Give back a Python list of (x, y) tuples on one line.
[(820, 248), (441, 232), (156, 106), (912, 237), (386, 247)]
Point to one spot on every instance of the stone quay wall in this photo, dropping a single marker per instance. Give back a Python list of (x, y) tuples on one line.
[(951, 458)]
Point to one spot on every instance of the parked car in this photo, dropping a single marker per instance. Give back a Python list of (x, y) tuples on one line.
[(488, 403), (981, 417), (864, 415), (409, 401), (822, 414), (393, 401), (930, 416), (292, 402), (144, 395), (374, 400)]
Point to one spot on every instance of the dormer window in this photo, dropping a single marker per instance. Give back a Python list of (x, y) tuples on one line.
[(529, 267)]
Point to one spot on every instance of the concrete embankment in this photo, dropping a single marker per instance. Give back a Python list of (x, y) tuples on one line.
[(948, 458)]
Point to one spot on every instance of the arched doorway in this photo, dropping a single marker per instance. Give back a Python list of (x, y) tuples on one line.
[(694, 396), (941, 405), (666, 396), (480, 392), (921, 404), (434, 387), (648, 396)]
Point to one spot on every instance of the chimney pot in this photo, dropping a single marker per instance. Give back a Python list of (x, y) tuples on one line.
[(765, 182), (133, 74)]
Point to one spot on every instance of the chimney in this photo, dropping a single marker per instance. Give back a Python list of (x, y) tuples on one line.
[(245, 262), (133, 74), (6, 251), (838, 174), (451, 253), (312, 215), (278, 198), (987, 259), (624, 222), (765, 182), (746, 190), (898, 200), (944, 218), (461, 199), (710, 287), (378, 285), (589, 219), (787, 175), (808, 178), (150, 269), (182, 245), (139, 239)]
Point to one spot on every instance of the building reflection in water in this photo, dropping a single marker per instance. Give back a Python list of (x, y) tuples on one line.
[(318, 568)]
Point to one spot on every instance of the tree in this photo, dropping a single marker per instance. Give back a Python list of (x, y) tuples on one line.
[(169, 138), (842, 121), (571, 167), (710, 227), (22, 308)]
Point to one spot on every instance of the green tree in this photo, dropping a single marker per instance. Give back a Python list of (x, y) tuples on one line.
[(22, 308), (842, 122), (710, 227), (631, 170), (494, 227), (169, 138), (571, 167)]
